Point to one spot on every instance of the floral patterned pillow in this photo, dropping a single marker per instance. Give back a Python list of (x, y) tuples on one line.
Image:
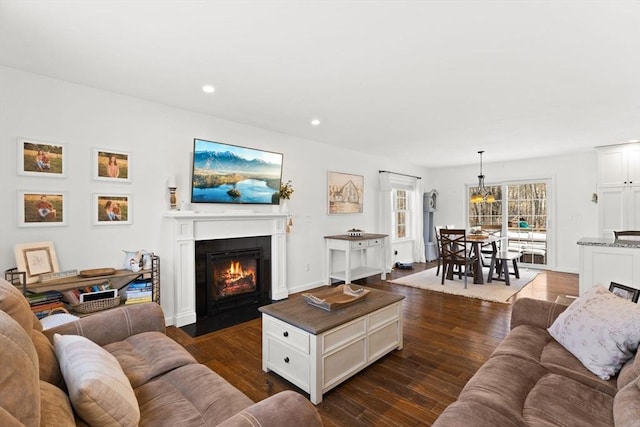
[(601, 329)]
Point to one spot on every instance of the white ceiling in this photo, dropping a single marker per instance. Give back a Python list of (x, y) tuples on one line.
[(429, 82)]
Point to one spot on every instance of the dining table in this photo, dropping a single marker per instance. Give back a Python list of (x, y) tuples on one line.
[(476, 241)]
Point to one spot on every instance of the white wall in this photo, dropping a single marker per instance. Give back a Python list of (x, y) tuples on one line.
[(574, 181), (160, 140)]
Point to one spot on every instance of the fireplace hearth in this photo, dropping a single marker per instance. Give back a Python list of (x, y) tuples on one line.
[(233, 279)]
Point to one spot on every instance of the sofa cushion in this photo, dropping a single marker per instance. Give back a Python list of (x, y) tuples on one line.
[(98, 389), (15, 305), (191, 395), (147, 355), (48, 362), (601, 329), (55, 407), (536, 345), (556, 400), (20, 390), (629, 372), (626, 405)]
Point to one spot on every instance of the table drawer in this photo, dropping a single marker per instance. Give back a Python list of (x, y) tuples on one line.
[(374, 242), (359, 244), (343, 334), (384, 340), (287, 334), (384, 315), (288, 363)]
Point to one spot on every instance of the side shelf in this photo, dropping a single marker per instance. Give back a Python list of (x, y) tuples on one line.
[(119, 280)]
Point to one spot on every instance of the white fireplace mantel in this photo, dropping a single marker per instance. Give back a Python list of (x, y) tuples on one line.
[(178, 292)]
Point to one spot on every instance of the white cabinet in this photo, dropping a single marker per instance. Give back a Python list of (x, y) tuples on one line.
[(318, 362), (618, 188), (619, 165), (619, 209), (603, 261)]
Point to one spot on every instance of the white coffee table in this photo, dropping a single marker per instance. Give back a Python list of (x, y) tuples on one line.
[(316, 349)]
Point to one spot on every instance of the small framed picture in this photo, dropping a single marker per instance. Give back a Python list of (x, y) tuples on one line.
[(38, 158), (42, 209), (111, 165), (345, 193), (625, 292), (36, 259), (112, 209)]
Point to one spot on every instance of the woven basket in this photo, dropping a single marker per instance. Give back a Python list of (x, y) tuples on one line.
[(97, 305)]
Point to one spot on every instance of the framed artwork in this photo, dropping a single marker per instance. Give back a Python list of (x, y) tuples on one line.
[(36, 259), (625, 292), (345, 193), (42, 209), (110, 165), (112, 209), (38, 158)]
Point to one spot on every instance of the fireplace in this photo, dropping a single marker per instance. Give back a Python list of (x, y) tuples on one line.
[(233, 279)]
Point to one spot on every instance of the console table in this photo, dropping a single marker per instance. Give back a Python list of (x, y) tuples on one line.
[(317, 349), (356, 245)]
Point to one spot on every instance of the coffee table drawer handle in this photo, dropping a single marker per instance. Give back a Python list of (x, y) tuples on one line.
[(285, 333), (286, 360)]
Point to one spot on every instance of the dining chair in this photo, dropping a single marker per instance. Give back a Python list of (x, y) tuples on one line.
[(453, 249), (488, 249), (627, 235), (437, 229)]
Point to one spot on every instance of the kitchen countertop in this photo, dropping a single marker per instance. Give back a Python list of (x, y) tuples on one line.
[(612, 243)]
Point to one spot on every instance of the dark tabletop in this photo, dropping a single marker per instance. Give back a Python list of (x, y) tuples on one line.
[(297, 312)]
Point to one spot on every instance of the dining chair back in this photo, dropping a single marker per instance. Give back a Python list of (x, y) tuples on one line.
[(453, 248), (627, 235), (436, 229)]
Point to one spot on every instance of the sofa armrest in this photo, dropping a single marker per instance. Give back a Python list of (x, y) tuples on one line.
[(283, 409), (528, 311), (114, 325)]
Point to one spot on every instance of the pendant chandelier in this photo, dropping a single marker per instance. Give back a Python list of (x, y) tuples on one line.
[(482, 194)]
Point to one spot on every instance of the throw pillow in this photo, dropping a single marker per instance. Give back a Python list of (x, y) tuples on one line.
[(98, 389), (601, 329)]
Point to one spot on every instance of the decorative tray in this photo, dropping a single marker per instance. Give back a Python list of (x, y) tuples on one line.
[(335, 298)]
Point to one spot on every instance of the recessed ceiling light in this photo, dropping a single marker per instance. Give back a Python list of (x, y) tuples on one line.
[(315, 122), (208, 89)]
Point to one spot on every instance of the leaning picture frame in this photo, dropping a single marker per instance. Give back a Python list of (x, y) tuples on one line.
[(42, 208), (112, 209), (626, 292), (36, 259), (39, 158), (345, 193), (111, 165)]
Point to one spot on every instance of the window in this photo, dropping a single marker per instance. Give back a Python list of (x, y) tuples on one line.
[(401, 214), (521, 209)]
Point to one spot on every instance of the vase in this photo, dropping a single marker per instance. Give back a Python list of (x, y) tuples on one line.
[(284, 205)]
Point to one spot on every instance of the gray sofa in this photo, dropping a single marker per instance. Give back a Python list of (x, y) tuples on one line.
[(531, 380), (125, 372)]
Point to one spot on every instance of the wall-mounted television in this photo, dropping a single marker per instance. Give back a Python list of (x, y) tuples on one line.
[(224, 173)]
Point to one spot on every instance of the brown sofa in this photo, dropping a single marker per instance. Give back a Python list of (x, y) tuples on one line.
[(151, 381), (531, 380)]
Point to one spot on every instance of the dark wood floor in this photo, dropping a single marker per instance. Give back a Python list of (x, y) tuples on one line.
[(446, 339)]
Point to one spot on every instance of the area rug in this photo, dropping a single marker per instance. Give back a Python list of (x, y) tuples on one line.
[(495, 291)]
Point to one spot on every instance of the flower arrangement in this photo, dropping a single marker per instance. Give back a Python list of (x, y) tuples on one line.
[(286, 190)]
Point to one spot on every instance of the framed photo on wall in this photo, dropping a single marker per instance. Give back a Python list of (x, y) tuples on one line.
[(38, 158), (625, 292), (111, 165), (42, 209), (345, 193), (36, 259), (112, 209)]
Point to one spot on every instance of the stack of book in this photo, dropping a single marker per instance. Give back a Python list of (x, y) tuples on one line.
[(139, 291), (42, 303)]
